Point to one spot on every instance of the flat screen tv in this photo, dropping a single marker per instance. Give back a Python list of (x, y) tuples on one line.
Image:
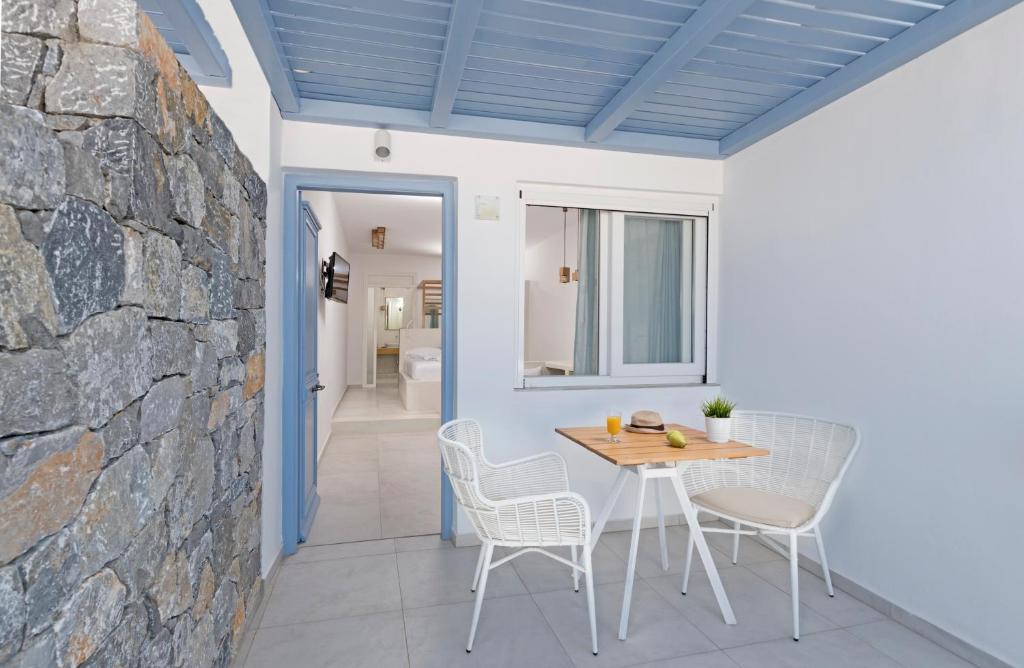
[(336, 275)]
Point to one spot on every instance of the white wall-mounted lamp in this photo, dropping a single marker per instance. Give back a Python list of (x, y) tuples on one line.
[(382, 145)]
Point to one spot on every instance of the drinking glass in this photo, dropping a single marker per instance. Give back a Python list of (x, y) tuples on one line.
[(614, 424)]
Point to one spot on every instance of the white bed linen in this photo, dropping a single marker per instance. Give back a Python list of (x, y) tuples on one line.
[(422, 369)]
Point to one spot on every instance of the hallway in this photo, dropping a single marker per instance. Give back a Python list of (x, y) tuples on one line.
[(373, 486)]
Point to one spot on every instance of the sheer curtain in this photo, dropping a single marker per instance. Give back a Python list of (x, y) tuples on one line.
[(657, 284), (585, 348)]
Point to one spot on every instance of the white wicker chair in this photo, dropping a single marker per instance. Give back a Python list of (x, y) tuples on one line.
[(785, 493), (523, 504)]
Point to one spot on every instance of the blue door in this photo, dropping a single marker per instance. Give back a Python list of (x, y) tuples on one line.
[(310, 375)]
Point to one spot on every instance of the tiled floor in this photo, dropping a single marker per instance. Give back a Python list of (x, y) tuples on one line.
[(406, 602), (376, 404), (377, 486)]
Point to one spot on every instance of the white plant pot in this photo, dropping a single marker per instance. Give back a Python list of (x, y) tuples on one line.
[(719, 429)]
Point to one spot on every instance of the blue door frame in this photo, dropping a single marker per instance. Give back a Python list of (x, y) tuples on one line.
[(295, 181)]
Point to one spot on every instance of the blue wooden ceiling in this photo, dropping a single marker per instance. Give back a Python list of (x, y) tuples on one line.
[(690, 77), (184, 27)]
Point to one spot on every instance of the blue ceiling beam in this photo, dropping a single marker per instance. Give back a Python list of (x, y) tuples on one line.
[(943, 25), (206, 60), (461, 27), (345, 113), (258, 26), (700, 29)]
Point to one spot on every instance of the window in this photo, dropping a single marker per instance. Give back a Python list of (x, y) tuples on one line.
[(612, 297)]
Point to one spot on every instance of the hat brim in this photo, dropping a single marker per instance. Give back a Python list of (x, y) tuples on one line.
[(644, 430)]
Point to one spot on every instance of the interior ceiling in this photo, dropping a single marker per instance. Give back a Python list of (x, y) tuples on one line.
[(413, 222), (184, 27), (698, 77)]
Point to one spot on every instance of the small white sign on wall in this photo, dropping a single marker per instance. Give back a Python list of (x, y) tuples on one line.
[(488, 207)]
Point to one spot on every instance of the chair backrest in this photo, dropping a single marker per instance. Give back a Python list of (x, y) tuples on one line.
[(808, 457), (460, 444)]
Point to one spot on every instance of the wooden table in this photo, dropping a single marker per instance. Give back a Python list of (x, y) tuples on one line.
[(650, 457)]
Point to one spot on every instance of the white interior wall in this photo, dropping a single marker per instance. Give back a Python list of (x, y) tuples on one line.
[(249, 111), (516, 422), (332, 319), (364, 265), (872, 269), (550, 328)]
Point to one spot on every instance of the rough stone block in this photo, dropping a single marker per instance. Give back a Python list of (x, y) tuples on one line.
[(232, 372), (189, 192), (108, 21), (121, 433), (84, 255), (91, 614), (84, 174), (257, 194), (162, 274), (249, 294), (161, 408), (204, 366), (22, 56), (12, 622), (173, 348), (222, 285), (109, 358), (172, 590), (51, 18), (35, 225), (134, 290), (195, 295), (221, 227), (43, 486), (35, 394), (31, 160), (123, 645), (254, 375), (224, 404), (51, 573), (223, 335), (100, 80), (193, 492), (24, 284)]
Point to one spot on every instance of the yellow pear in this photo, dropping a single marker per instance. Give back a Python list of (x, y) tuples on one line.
[(676, 439)]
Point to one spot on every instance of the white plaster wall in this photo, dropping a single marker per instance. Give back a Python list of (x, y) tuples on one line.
[(550, 328), (332, 319), (249, 111), (516, 422), (421, 267), (871, 272)]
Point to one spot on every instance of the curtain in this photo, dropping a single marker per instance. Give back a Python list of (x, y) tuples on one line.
[(655, 307), (585, 347)]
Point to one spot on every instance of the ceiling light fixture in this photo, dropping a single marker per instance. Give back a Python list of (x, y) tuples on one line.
[(564, 273), (377, 238)]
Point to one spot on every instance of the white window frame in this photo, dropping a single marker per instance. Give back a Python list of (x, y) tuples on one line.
[(608, 201)]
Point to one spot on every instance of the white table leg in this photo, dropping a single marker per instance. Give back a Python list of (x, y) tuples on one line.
[(661, 525), (634, 545), (702, 548), (609, 505)]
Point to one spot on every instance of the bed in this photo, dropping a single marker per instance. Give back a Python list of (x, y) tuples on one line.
[(419, 369)]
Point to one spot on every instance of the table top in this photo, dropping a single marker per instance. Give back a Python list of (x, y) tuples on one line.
[(633, 449)]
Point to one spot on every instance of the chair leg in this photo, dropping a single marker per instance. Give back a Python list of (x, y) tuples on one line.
[(824, 561), (794, 583), (661, 525), (488, 553), (689, 560), (736, 543), (575, 572), (479, 564), (589, 578)]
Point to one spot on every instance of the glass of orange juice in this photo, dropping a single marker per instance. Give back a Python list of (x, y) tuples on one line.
[(614, 423)]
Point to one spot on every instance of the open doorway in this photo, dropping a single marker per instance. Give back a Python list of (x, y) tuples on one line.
[(382, 379)]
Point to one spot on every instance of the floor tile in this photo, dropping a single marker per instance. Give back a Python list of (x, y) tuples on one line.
[(434, 577), (339, 521), (656, 629), (841, 610), (905, 646), (310, 553), (512, 632), (540, 573), (337, 588), (835, 649), (429, 542), (349, 485), (762, 611), (716, 659), (373, 641)]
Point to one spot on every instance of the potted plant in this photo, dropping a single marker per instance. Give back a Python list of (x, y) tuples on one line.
[(718, 419)]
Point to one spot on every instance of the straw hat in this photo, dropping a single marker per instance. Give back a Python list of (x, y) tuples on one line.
[(646, 422)]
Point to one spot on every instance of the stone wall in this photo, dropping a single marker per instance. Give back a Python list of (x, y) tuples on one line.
[(131, 349)]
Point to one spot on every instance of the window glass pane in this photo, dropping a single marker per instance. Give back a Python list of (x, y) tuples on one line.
[(657, 323), (561, 268)]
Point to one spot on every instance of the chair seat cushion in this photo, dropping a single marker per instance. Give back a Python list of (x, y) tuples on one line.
[(744, 503)]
